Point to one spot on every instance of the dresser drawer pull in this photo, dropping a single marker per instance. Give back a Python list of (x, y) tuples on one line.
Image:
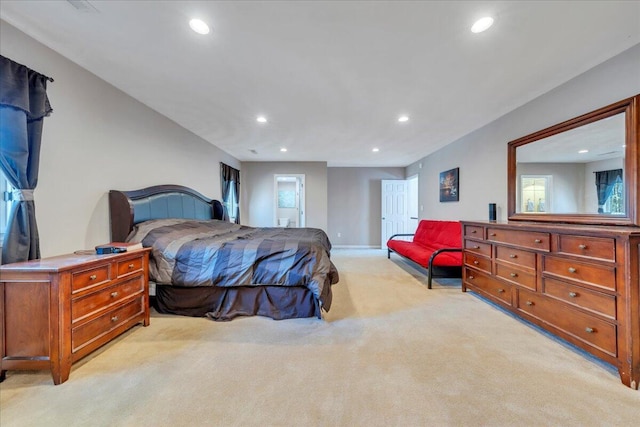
[(514, 274), (114, 319), (470, 277), (114, 294), (537, 241), (476, 262), (582, 247), (589, 330), (93, 277), (529, 303), (131, 266), (500, 291), (573, 294), (513, 256), (476, 247), (492, 234), (572, 270), (474, 231)]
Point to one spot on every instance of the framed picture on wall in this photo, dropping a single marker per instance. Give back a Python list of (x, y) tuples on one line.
[(449, 185)]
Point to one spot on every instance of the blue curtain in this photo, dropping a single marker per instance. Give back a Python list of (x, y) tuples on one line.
[(230, 177), (23, 106), (605, 180)]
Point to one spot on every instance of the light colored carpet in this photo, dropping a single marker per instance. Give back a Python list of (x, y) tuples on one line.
[(389, 353)]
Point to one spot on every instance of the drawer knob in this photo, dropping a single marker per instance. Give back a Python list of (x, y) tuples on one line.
[(529, 303), (500, 291), (492, 234), (476, 262), (582, 247), (537, 241), (474, 231), (470, 277), (114, 294), (572, 270), (513, 256), (131, 266), (589, 330), (93, 277), (514, 274), (114, 319), (573, 294), (476, 247)]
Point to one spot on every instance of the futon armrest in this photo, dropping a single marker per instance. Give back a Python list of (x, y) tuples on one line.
[(401, 235), (433, 256)]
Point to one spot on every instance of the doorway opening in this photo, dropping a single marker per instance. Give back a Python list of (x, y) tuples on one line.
[(289, 197)]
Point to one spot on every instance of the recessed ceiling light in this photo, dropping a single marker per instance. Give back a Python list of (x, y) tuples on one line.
[(199, 26), (403, 118), (583, 151), (375, 150), (284, 150), (261, 119), (482, 24)]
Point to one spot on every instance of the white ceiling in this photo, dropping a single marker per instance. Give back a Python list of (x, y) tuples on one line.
[(332, 76)]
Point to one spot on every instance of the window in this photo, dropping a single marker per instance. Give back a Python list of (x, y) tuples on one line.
[(535, 193), (231, 204), (615, 201), (5, 204)]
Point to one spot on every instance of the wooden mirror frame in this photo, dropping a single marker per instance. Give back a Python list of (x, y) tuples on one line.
[(628, 106)]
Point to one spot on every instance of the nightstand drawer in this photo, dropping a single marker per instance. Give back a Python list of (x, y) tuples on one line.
[(89, 278), (93, 330), (100, 300), (129, 266)]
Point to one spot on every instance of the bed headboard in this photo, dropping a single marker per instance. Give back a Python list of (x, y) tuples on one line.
[(127, 208)]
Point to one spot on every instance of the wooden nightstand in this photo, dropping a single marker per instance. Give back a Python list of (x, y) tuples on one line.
[(54, 311)]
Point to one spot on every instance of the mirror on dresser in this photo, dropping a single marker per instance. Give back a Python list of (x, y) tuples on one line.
[(584, 170)]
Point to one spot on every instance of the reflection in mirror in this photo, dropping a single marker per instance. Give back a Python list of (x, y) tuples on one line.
[(579, 171)]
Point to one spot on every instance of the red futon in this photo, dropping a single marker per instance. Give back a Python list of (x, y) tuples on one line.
[(435, 244)]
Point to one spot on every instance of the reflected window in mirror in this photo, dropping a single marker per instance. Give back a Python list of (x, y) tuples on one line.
[(535, 193), (610, 189)]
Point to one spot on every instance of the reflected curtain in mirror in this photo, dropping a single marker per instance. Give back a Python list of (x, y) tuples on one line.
[(605, 183), (230, 183), (23, 106)]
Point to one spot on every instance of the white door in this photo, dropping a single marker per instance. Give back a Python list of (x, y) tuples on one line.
[(412, 203), (394, 209)]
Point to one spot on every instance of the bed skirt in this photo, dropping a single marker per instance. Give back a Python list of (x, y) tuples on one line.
[(218, 303)]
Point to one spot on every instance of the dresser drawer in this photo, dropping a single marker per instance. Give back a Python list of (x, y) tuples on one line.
[(476, 261), (594, 301), (88, 278), (93, 330), (129, 266), (516, 276), (104, 298), (526, 259), (473, 231), (489, 286), (587, 329), (525, 239), (588, 247), (592, 274), (478, 247)]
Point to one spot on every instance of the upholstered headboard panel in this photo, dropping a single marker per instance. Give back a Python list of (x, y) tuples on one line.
[(128, 208)]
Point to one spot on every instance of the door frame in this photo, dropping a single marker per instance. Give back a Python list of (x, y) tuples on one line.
[(300, 196)]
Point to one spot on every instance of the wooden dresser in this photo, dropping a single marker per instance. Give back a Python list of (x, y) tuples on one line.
[(578, 282), (57, 310)]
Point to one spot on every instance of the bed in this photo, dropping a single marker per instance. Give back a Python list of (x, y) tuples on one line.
[(203, 265)]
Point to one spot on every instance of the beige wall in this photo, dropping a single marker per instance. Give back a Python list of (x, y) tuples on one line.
[(482, 154), (355, 204), (97, 139), (257, 197)]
